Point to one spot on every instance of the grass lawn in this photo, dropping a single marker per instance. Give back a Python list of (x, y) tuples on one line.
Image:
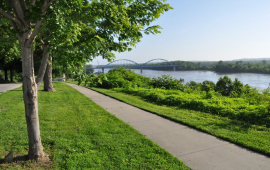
[(250, 136), (77, 134)]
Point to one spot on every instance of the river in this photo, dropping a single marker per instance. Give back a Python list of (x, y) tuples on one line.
[(259, 81)]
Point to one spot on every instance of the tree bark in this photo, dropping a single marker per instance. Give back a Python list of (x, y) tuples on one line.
[(11, 73), (48, 86), (30, 95), (43, 65), (6, 75)]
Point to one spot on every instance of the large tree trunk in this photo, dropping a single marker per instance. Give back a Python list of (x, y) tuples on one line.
[(6, 75), (43, 65), (48, 86), (30, 95), (11, 74)]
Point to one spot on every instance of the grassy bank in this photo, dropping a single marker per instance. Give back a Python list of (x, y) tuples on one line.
[(77, 134), (254, 137)]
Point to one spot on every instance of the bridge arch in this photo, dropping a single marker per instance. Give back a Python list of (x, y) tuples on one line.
[(157, 60), (122, 62)]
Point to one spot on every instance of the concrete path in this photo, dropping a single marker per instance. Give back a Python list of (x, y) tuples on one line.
[(10, 86), (198, 150)]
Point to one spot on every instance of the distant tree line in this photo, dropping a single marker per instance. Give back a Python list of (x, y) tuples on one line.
[(256, 66), (245, 67)]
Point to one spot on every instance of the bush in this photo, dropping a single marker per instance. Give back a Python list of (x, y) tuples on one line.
[(208, 86), (119, 78), (234, 108), (166, 82), (224, 86)]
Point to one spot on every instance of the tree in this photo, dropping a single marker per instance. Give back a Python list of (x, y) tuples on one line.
[(208, 85), (224, 86), (26, 18), (122, 19), (238, 87), (59, 29)]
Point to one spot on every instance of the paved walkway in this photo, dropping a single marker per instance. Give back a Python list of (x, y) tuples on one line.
[(10, 86), (197, 149)]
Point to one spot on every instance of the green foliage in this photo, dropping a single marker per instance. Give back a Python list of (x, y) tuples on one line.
[(224, 86), (238, 87), (10, 56), (193, 84), (249, 66), (119, 77), (104, 27), (166, 82), (259, 66), (9, 46), (234, 108), (208, 86), (80, 77)]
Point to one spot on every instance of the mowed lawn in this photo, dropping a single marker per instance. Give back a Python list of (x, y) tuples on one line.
[(77, 134)]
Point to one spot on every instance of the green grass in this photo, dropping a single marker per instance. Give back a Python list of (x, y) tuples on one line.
[(77, 134), (254, 137)]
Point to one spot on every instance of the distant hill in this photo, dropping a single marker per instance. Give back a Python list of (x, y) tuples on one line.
[(242, 59), (251, 59)]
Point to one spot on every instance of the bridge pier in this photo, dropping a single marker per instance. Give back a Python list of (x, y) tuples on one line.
[(173, 68), (103, 70), (141, 70)]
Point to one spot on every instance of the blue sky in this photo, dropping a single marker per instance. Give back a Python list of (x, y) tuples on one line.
[(210, 30)]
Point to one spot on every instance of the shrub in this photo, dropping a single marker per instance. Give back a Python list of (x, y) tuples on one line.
[(234, 108), (224, 86), (166, 82)]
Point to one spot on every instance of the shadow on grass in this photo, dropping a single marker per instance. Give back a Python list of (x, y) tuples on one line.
[(17, 159), (24, 162), (232, 125)]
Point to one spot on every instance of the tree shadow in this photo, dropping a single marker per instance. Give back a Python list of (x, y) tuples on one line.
[(24, 162), (232, 125), (18, 160)]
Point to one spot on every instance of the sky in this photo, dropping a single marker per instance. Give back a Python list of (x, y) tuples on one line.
[(206, 30)]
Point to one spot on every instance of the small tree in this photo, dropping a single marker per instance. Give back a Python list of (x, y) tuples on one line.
[(208, 86), (238, 87), (224, 86)]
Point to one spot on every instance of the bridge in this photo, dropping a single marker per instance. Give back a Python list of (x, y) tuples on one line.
[(154, 63)]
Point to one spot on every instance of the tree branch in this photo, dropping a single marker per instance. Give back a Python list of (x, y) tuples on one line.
[(15, 27), (10, 17), (23, 5), (19, 11), (39, 23), (46, 5), (35, 32), (32, 3)]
